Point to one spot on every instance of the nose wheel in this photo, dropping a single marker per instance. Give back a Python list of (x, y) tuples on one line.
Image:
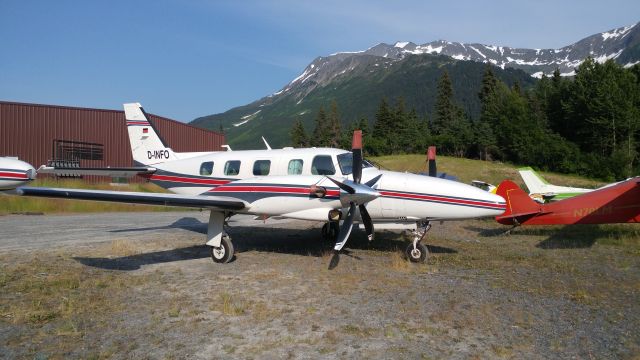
[(330, 231), (417, 252)]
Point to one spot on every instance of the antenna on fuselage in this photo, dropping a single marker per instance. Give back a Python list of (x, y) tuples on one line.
[(226, 147), (266, 143)]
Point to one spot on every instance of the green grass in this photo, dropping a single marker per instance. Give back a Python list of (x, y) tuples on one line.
[(11, 204)]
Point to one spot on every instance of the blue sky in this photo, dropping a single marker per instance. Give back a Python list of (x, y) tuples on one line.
[(184, 59)]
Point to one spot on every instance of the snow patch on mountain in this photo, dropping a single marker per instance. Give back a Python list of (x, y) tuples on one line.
[(616, 33), (247, 118)]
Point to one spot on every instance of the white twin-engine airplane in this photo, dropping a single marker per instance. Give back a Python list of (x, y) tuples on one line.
[(318, 184)]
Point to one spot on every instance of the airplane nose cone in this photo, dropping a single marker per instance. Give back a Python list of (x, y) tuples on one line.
[(363, 194)]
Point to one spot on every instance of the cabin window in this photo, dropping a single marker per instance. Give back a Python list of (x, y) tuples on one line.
[(345, 161), (295, 167), (261, 167), (206, 168), (232, 167), (322, 165)]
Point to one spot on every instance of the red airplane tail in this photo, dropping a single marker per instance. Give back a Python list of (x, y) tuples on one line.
[(519, 205)]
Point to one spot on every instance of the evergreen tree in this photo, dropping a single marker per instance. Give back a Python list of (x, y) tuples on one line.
[(410, 140), (333, 126), (445, 110), (298, 135), (484, 137), (384, 120), (489, 84), (383, 129), (320, 137), (399, 132)]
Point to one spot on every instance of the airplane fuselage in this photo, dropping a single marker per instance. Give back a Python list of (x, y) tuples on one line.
[(279, 182)]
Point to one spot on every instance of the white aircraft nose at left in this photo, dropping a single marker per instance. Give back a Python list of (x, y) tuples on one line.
[(14, 173)]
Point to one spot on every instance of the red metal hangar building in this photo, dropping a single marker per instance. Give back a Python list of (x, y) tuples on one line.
[(83, 137)]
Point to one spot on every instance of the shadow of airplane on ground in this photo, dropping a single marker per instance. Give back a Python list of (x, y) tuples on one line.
[(302, 242), (565, 237), (186, 223)]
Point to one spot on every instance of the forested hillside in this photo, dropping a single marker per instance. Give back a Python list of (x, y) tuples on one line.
[(357, 93), (588, 124)]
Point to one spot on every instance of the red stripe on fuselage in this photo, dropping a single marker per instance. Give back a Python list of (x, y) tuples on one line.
[(442, 199), (14, 175), (189, 180)]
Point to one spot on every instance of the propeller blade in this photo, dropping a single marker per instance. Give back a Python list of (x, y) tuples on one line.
[(373, 181), (343, 186), (356, 150), (366, 220), (345, 230), (335, 259), (431, 160)]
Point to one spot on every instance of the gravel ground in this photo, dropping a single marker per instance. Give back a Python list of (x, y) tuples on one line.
[(138, 285)]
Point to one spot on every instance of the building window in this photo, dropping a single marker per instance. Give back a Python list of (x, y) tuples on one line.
[(206, 168), (67, 150), (261, 167), (322, 165), (232, 167), (295, 167)]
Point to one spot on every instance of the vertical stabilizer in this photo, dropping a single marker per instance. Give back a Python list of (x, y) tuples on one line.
[(147, 147), (535, 183), (519, 204)]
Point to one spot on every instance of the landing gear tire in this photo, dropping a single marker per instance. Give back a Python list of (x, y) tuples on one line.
[(330, 231), (417, 255), (224, 253)]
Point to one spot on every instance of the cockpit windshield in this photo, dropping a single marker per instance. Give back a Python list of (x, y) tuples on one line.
[(345, 161)]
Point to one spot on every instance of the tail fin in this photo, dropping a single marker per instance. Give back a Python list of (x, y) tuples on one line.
[(147, 147), (535, 183), (519, 205)]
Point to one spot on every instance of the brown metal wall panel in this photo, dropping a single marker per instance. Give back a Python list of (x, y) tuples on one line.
[(28, 131)]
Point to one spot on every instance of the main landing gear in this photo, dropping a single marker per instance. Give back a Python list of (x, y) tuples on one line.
[(416, 251), (223, 253), (220, 242)]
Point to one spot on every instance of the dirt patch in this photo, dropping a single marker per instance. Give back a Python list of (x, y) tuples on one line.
[(549, 293)]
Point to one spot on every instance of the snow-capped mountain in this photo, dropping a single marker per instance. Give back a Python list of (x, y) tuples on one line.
[(607, 45), (358, 80)]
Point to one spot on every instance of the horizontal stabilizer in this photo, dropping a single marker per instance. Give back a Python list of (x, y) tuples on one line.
[(194, 201)]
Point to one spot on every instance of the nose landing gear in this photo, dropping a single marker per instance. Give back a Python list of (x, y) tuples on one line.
[(416, 251), (330, 231)]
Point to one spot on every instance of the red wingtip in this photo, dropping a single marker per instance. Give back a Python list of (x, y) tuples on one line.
[(431, 153), (356, 143)]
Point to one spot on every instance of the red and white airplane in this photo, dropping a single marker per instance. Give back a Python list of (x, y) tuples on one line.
[(318, 184)]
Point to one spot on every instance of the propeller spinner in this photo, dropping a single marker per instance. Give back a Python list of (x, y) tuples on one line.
[(354, 195)]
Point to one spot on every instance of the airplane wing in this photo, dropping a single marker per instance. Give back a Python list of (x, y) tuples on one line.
[(194, 201), (106, 171)]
